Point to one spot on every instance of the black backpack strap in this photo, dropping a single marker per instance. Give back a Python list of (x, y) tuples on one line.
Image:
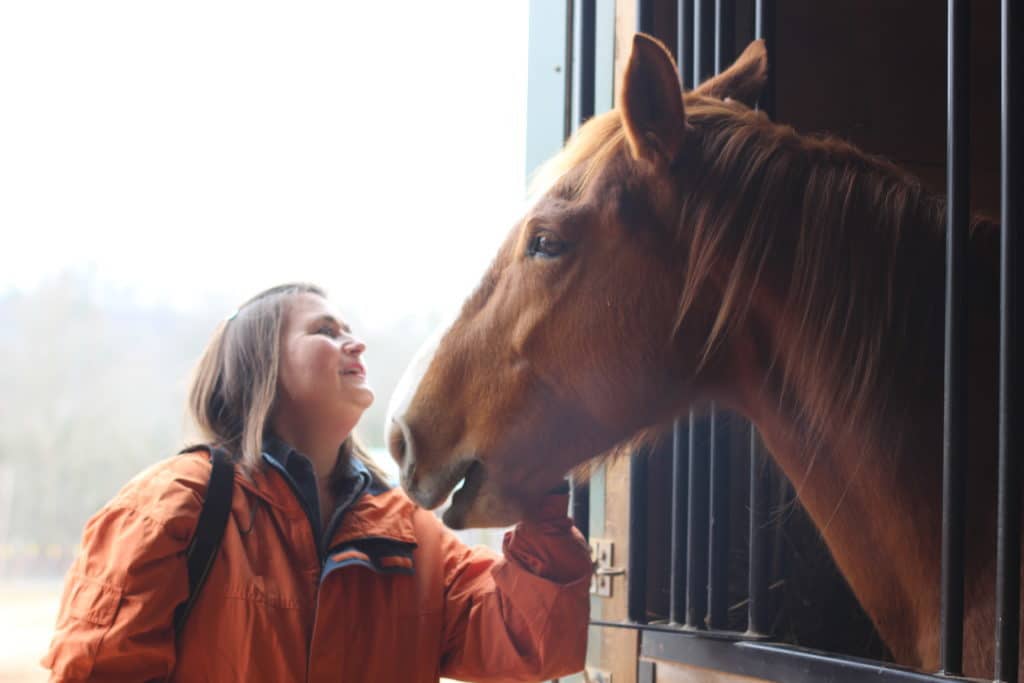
[(209, 530)]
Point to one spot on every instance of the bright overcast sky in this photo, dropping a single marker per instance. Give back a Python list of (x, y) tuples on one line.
[(188, 149)]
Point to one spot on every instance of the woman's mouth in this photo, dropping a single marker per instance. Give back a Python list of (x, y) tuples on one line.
[(355, 370)]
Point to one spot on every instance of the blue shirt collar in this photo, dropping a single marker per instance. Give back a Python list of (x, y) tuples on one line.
[(290, 459)]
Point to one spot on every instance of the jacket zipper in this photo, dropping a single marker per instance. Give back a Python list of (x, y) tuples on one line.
[(317, 547), (321, 549)]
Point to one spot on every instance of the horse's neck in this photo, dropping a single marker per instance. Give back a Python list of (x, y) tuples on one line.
[(869, 480), (884, 541), (873, 488)]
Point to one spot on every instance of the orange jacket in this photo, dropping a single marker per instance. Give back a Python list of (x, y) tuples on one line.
[(398, 598)]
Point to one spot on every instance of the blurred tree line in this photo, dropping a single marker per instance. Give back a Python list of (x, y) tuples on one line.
[(92, 390)]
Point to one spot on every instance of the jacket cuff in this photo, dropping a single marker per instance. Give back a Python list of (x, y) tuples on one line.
[(548, 545)]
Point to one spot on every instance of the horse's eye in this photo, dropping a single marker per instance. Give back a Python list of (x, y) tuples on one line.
[(546, 245)]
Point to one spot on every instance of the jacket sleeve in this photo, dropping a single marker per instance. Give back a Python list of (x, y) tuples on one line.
[(521, 617), (116, 613)]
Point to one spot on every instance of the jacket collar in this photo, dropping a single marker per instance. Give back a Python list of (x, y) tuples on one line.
[(277, 448), (381, 512)]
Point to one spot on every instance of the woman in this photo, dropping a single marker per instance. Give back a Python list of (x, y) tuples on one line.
[(325, 573)]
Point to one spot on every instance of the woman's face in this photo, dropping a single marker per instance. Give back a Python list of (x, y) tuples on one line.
[(321, 378)]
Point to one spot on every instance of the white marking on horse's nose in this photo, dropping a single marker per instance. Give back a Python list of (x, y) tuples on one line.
[(404, 391)]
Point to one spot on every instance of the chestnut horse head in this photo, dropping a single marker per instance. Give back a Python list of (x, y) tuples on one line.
[(571, 344), (687, 249)]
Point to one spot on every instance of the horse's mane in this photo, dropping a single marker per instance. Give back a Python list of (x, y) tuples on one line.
[(850, 244)]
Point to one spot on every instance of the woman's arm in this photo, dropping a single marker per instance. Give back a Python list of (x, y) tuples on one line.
[(116, 613), (522, 617)]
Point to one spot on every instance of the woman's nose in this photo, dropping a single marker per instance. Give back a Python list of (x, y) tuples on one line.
[(354, 347)]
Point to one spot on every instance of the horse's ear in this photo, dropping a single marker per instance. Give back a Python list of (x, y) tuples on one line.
[(651, 103), (743, 80)]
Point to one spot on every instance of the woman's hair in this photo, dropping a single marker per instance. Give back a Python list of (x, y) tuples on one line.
[(234, 384)]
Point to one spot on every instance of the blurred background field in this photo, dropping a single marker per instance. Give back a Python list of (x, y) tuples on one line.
[(30, 608)]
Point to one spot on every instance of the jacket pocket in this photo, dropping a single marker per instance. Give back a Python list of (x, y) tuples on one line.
[(86, 617), (94, 602)]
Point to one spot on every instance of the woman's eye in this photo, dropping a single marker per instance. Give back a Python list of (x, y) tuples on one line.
[(546, 245), (329, 331)]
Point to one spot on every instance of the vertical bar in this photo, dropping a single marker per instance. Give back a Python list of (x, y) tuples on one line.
[(636, 570), (636, 599), (718, 523), (725, 34), (698, 18), (764, 28), (757, 579), (588, 59), (697, 526), (570, 30), (684, 41), (645, 16), (680, 477), (579, 506), (954, 441), (604, 56), (718, 554), (703, 40), (1011, 419)]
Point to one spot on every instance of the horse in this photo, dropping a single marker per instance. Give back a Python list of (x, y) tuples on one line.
[(685, 249)]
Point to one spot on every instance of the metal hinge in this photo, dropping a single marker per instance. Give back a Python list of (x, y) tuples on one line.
[(602, 555)]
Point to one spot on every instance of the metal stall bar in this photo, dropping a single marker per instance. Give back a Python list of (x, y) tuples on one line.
[(697, 525), (588, 59), (579, 506), (1011, 419), (703, 40), (764, 28), (752, 660), (718, 532), (725, 653), (680, 478), (725, 33), (645, 17), (579, 500), (680, 429), (570, 31), (698, 17), (757, 578), (684, 41), (954, 438), (636, 570)]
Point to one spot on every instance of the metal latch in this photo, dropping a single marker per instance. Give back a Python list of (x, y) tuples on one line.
[(602, 555)]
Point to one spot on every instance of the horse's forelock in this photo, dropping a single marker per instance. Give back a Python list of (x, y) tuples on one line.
[(588, 151)]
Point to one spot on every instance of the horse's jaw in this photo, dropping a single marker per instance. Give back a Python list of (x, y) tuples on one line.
[(479, 504), (476, 498)]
